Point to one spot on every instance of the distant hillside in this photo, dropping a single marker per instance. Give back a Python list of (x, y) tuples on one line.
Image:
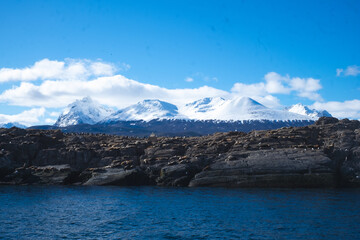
[(177, 127)]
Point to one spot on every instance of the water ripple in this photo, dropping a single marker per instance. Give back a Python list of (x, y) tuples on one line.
[(50, 212)]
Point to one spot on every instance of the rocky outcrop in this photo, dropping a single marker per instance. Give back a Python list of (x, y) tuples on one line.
[(325, 154)]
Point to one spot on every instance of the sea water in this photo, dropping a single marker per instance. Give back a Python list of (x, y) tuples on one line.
[(55, 212)]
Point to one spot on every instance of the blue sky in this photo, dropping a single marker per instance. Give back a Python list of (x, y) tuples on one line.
[(164, 43)]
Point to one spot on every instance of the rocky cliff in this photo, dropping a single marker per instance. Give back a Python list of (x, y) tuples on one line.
[(325, 154)]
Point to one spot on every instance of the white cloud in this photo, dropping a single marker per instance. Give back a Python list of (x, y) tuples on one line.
[(76, 69), (189, 79), (209, 79), (339, 71), (346, 109), (257, 91), (277, 84), (352, 70), (117, 91), (65, 81), (306, 87), (203, 77), (349, 71), (310, 95), (28, 117), (125, 67), (99, 69), (269, 101), (62, 87), (50, 121), (55, 114)]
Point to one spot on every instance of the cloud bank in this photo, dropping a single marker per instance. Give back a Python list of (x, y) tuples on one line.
[(277, 84), (349, 71), (119, 91), (347, 109), (27, 118), (69, 69), (62, 82), (116, 91)]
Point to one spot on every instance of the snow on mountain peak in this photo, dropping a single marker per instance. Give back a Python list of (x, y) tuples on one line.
[(205, 104), (245, 108), (83, 111), (146, 110), (239, 108), (306, 111), (213, 108), (247, 103)]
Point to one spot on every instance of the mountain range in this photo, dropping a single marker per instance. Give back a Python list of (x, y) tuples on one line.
[(201, 117), (87, 111)]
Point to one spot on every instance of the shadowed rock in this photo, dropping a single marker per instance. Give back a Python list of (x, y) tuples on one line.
[(326, 154)]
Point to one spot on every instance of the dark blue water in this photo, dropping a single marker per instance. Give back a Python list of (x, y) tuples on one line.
[(31, 212)]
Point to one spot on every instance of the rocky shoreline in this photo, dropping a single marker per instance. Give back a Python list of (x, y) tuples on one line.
[(325, 154)]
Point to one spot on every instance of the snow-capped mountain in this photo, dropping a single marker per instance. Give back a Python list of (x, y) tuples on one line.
[(204, 105), (12, 124), (304, 110), (146, 110), (83, 111), (204, 116), (216, 108), (242, 108)]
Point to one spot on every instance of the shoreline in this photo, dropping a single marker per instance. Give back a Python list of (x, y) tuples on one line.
[(323, 155)]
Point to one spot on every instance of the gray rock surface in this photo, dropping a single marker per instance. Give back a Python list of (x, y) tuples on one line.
[(325, 154)]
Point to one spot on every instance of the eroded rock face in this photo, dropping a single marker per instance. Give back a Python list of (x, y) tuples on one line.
[(326, 154), (270, 168)]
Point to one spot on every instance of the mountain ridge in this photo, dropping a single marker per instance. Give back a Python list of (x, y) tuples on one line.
[(305, 110), (86, 111), (82, 111), (146, 110)]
